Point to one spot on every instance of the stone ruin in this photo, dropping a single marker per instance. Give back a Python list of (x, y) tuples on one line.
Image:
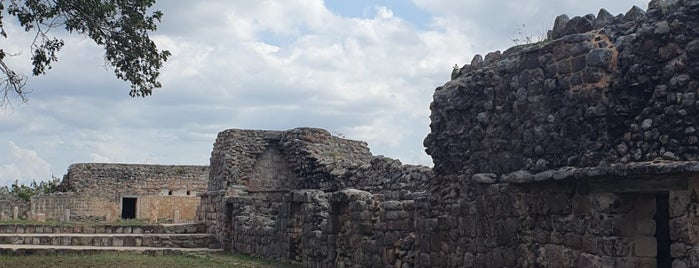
[(579, 151), (106, 192), (307, 197)]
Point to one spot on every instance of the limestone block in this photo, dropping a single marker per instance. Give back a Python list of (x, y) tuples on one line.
[(645, 227), (117, 241), (645, 247), (41, 217), (679, 202), (176, 216), (679, 264)]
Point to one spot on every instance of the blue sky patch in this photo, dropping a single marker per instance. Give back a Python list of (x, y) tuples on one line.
[(366, 9)]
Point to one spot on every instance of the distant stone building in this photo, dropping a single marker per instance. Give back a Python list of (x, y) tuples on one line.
[(127, 191)]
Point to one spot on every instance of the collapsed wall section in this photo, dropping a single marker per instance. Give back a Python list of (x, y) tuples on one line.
[(307, 197)]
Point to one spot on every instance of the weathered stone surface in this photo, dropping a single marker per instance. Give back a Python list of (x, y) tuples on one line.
[(557, 154), (487, 178), (90, 192), (7, 204), (604, 18), (310, 198), (572, 109), (559, 26)]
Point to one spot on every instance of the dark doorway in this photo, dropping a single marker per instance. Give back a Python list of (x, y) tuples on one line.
[(662, 230), (128, 208)]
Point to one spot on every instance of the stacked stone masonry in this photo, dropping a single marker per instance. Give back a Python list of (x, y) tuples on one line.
[(8, 202), (579, 151), (101, 192), (307, 197)]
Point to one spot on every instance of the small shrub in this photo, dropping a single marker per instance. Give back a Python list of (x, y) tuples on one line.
[(524, 37), (25, 192)]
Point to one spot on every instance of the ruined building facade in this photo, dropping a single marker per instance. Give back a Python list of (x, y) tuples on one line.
[(126, 191), (579, 151), (307, 197)]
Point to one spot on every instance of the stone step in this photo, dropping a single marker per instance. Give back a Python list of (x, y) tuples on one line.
[(51, 250), (111, 240), (103, 228)]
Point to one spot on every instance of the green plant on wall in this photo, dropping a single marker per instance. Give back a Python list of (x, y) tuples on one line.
[(455, 72), (524, 37)]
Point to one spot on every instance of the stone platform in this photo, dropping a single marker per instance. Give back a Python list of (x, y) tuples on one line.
[(20, 239)]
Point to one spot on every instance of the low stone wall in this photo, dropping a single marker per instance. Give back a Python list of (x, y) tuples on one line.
[(110, 240), (82, 207), (162, 208), (9, 202), (101, 228), (211, 213)]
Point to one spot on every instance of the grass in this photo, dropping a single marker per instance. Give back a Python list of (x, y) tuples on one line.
[(124, 259)]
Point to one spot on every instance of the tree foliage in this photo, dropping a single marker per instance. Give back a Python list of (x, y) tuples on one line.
[(121, 27), (26, 192)]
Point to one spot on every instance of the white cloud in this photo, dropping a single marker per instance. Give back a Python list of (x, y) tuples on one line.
[(22, 164), (264, 65), (493, 24)]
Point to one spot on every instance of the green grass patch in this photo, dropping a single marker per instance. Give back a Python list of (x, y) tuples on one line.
[(125, 259)]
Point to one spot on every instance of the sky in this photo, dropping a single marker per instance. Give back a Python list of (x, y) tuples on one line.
[(361, 69)]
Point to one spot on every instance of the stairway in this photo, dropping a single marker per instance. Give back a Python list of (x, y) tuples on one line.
[(23, 239)]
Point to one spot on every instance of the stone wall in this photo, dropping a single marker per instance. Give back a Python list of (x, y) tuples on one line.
[(303, 196), (116, 180), (313, 153), (273, 161), (8, 202), (558, 154), (579, 151), (162, 208), (609, 90), (95, 191), (82, 207)]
